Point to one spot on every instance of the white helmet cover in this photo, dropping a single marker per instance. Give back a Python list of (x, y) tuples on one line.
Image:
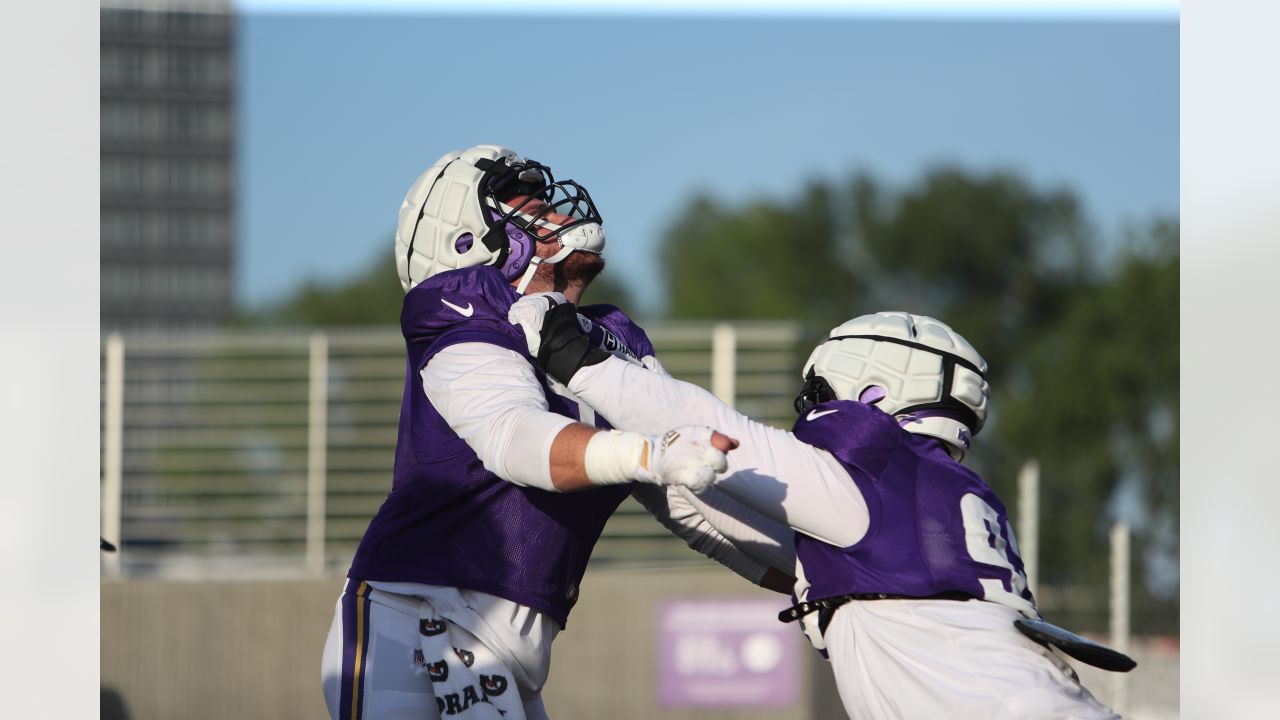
[(455, 216), (913, 367)]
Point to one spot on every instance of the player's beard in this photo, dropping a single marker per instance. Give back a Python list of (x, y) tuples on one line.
[(576, 271), (580, 268)]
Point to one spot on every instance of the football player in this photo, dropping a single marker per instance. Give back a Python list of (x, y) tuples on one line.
[(908, 573), (503, 480)]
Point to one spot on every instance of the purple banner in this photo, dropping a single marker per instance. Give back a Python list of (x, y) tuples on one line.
[(724, 652)]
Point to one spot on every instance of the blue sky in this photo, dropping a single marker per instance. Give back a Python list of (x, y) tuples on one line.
[(340, 111)]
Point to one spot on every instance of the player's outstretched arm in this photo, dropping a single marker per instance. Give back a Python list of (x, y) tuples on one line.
[(689, 456), (491, 399), (740, 546)]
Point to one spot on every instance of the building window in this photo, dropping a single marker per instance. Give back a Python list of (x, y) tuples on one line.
[(121, 120), (121, 66), (121, 228), (121, 174), (121, 21)]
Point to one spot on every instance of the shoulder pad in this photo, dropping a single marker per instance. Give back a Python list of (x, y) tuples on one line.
[(474, 295), (856, 433)]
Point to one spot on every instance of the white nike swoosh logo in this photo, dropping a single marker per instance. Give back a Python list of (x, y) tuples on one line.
[(814, 414), (465, 312)]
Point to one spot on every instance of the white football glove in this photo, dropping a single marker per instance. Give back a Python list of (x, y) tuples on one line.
[(527, 314), (684, 456)]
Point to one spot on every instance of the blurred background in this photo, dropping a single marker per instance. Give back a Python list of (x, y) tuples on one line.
[(764, 174)]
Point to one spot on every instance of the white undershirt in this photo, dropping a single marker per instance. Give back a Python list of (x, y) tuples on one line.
[(491, 398)]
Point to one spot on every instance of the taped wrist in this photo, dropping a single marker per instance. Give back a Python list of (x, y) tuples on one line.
[(564, 347), (614, 457)]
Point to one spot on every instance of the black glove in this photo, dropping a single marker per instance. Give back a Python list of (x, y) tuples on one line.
[(565, 348)]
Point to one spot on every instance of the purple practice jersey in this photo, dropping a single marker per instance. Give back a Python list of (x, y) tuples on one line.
[(449, 521), (935, 525)]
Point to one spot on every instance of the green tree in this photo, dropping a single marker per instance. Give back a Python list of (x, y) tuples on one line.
[(1101, 413), (990, 255), (766, 260), (372, 296)]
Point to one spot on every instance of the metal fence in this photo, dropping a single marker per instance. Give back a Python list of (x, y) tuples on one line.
[(243, 454)]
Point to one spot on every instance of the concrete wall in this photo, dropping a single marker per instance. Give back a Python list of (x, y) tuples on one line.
[(194, 650), (251, 649)]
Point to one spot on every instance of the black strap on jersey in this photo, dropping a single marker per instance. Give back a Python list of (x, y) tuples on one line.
[(565, 348), (826, 607), (1082, 649)]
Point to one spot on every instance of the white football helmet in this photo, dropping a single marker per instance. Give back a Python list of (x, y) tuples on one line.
[(913, 367), (456, 215)]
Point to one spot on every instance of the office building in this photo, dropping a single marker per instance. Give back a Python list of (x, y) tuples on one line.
[(168, 140)]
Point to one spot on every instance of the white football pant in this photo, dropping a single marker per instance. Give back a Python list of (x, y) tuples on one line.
[(948, 659), (386, 658)]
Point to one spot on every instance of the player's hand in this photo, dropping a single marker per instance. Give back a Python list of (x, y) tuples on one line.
[(528, 314), (689, 455)]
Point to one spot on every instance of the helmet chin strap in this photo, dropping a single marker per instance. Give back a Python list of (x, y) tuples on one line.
[(534, 263)]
